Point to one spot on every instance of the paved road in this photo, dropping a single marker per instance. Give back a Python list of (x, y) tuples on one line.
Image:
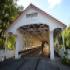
[(32, 63)]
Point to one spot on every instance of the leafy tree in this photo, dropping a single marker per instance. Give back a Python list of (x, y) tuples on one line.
[(66, 34), (11, 40), (8, 13), (58, 37)]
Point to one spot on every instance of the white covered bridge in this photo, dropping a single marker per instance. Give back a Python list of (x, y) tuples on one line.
[(36, 26)]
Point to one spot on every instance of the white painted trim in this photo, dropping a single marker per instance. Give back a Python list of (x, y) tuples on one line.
[(51, 46)]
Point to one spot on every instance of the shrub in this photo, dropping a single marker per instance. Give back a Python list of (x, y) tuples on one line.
[(66, 61)]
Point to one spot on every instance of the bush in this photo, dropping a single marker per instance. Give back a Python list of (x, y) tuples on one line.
[(66, 34), (66, 61), (1, 44)]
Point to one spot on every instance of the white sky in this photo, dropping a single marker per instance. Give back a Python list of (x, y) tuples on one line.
[(51, 3), (54, 3)]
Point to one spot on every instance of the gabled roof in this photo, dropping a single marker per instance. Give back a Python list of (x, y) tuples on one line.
[(33, 6)]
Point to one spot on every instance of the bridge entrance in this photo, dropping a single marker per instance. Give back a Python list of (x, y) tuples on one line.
[(36, 40)]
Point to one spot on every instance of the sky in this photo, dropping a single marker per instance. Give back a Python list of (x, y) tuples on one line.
[(60, 9)]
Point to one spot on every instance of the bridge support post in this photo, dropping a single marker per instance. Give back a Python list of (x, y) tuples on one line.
[(51, 45)]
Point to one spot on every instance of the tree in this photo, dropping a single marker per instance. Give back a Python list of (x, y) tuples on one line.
[(8, 13), (66, 34), (10, 42)]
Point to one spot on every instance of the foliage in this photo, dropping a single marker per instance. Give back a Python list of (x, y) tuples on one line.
[(1, 44), (66, 34), (57, 37), (8, 13), (66, 61), (11, 40)]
